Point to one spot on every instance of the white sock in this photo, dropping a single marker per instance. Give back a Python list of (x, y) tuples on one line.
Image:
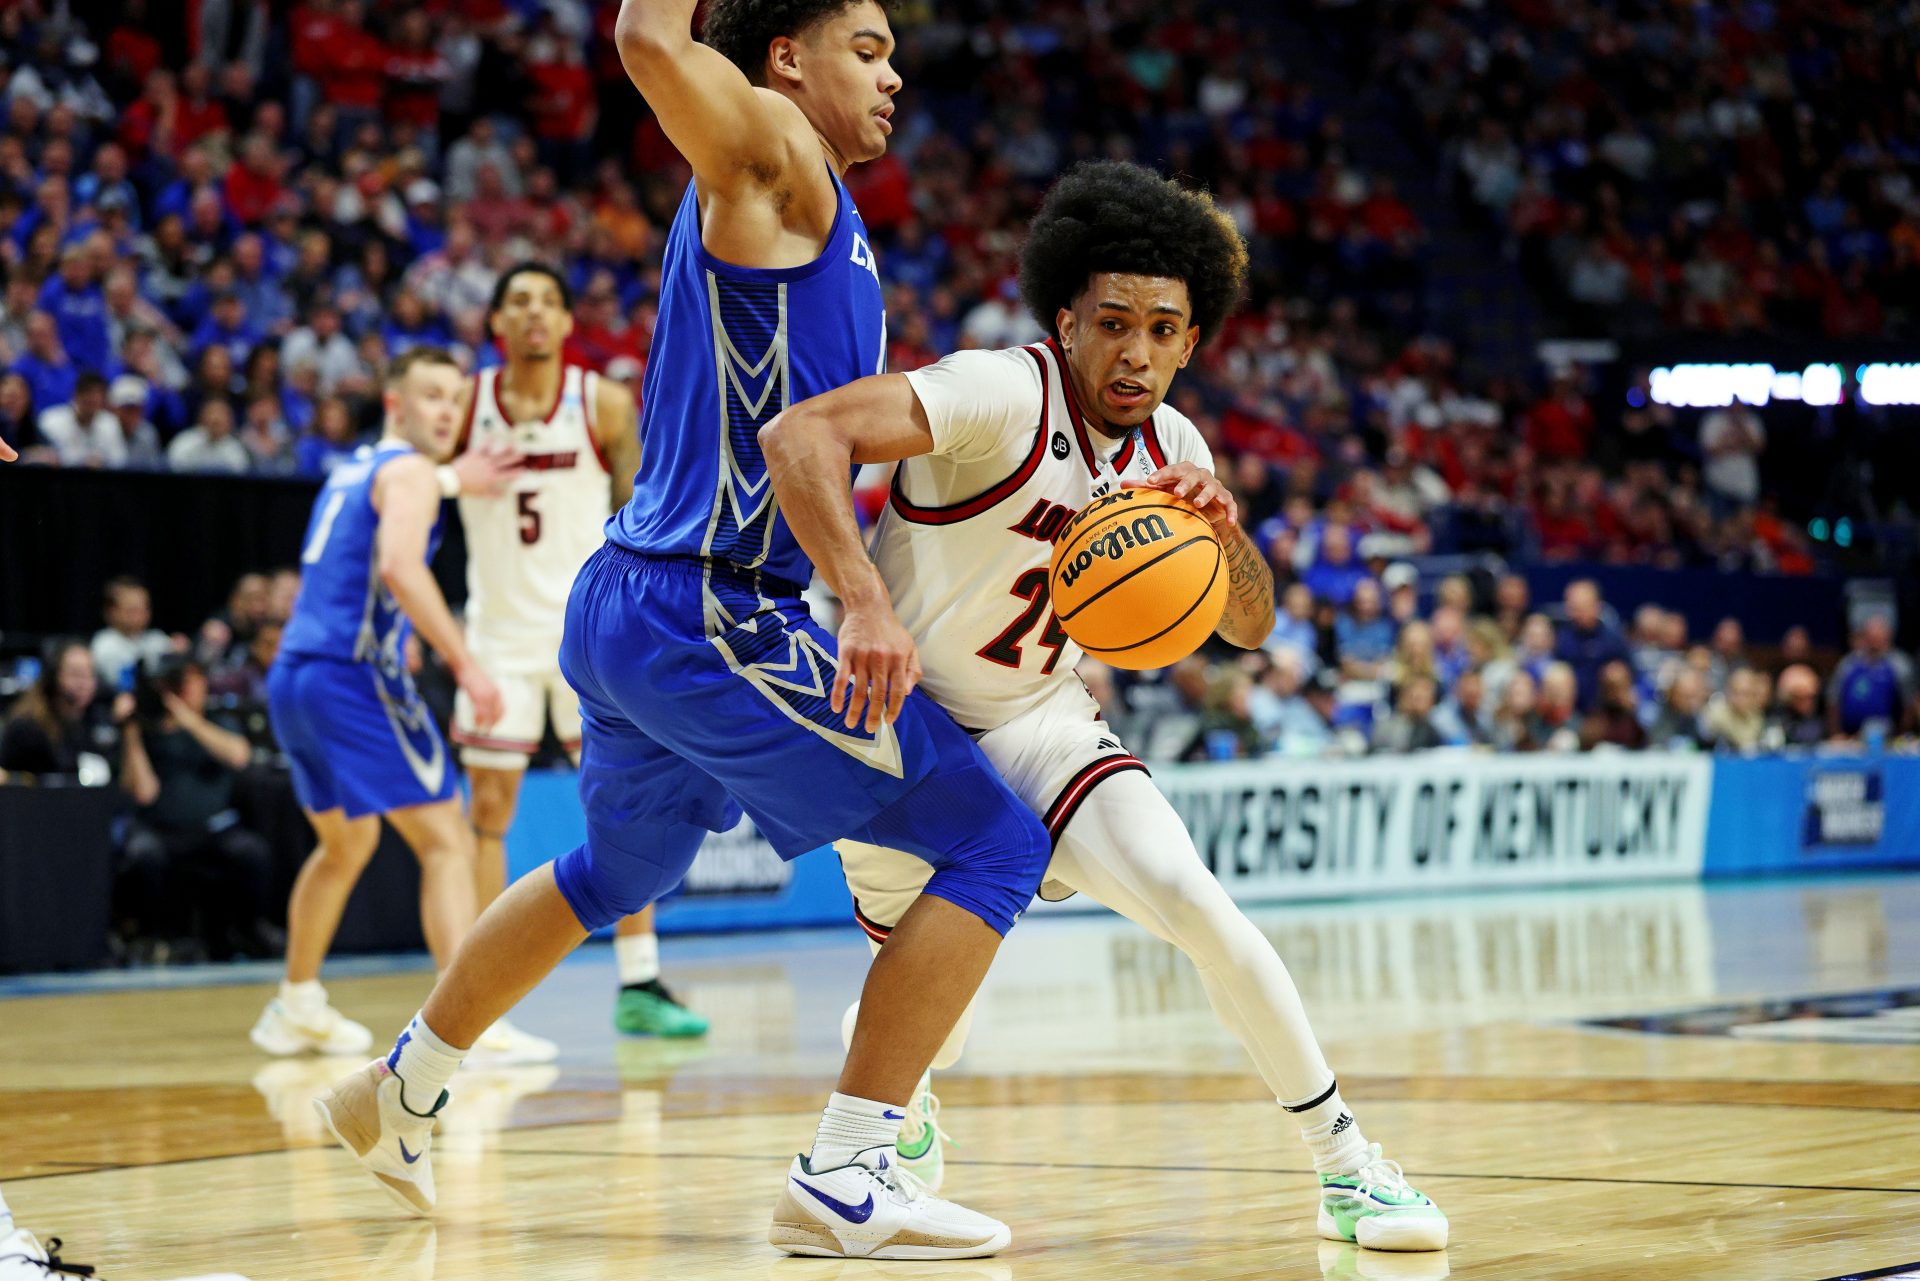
[(1332, 1135), (638, 956), (303, 998), (851, 1126), (424, 1063)]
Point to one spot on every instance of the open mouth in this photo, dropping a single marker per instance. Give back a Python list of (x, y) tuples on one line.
[(1126, 392), (885, 116)]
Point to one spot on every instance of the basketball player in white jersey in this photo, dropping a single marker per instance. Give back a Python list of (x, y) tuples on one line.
[(996, 451), (576, 437)]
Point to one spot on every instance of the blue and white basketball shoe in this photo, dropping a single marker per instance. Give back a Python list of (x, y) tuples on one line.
[(876, 1211)]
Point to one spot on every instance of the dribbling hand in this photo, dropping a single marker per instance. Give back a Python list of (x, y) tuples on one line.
[(1198, 486), (488, 704), (879, 666)]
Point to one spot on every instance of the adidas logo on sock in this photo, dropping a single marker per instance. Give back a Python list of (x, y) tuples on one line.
[(1340, 1125)]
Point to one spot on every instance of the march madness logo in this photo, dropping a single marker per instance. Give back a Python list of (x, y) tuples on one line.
[(1844, 807)]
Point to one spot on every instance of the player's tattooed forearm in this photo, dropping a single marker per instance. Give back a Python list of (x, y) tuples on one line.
[(1249, 579)]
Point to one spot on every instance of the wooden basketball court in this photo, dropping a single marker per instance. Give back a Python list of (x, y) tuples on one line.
[(1512, 1051)]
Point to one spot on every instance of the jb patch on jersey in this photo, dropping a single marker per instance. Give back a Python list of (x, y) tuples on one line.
[(967, 534)]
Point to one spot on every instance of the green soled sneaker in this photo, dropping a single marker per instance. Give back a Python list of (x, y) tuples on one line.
[(1377, 1208), (921, 1143), (648, 1009)]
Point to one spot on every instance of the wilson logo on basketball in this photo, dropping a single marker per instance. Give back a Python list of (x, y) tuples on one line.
[(1114, 544)]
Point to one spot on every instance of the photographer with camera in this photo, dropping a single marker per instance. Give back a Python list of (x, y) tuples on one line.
[(186, 848)]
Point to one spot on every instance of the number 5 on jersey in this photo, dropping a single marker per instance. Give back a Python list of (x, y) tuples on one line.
[(529, 518)]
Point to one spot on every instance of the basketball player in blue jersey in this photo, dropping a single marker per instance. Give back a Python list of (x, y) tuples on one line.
[(362, 744), (705, 687)]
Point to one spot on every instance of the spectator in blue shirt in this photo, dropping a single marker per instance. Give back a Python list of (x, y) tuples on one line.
[(227, 325), (79, 310), (1585, 643), (1364, 633), (1293, 628), (1335, 572), (331, 442), (1872, 685), (107, 182), (268, 306), (44, 365)]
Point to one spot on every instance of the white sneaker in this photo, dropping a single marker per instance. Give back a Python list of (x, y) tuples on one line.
[(364, 1114), (281, 1031), (922, 1143), (876, 1212), (23, 1259), (504, 1045)]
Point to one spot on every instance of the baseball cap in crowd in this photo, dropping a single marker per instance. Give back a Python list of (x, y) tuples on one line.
[(1398, 576), (423, 191), (1324, 681), (127, 389)]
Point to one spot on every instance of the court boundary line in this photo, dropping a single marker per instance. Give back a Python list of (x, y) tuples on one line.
[(761, 1158), (1895, 1270)]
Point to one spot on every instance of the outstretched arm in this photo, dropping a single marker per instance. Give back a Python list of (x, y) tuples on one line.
[(727, 129), (811, 449)]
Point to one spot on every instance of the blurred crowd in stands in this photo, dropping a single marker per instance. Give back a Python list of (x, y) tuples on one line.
[(1721, 168), (216, 233)]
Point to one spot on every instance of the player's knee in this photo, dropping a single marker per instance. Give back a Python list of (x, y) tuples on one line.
[(603, 883), (996, 874), (494, 796)]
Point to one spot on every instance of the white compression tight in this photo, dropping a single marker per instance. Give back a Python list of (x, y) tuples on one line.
[(1127, 848)]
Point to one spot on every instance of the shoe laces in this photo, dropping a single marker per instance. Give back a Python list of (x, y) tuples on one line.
[(901, 1184), (1377, 1173), (926, 1110), (52, 1264)]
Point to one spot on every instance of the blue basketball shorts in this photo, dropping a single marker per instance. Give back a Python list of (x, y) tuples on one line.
[(704, 691), (358, 739)]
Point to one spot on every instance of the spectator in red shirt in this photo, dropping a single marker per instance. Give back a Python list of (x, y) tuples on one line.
[(197, 113), (565, 109), (1560, 425), (252, 185), (415, 72)]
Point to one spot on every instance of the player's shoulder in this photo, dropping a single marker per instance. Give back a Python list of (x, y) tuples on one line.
[(1000, 367), (408, 468), (1180, 438)]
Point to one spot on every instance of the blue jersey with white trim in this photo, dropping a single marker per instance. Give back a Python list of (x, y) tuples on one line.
[(344, 611), (732, 347)]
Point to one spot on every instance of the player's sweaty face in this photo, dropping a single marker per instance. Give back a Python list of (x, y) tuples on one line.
[(1126, 336), (850, 81), (533, 321), (428, 409)]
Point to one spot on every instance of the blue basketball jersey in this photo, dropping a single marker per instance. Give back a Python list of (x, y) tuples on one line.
[(344, 611), (732, 347)]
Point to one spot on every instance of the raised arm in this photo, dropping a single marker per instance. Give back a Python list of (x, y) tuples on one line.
[(729, 131), (616, 427), (407, 496), (811, 450)]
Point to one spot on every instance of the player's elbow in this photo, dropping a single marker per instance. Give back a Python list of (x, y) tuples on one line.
[(792, 430), (392, 569), (640, 37)]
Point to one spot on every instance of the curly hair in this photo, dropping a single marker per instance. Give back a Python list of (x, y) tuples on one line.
[(741, 30), (1109, 215)]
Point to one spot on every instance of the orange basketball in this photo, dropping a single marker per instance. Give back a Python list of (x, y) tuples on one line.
[(1138, 579)]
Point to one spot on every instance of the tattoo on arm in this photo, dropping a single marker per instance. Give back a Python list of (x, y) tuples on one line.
[(1249, 613)]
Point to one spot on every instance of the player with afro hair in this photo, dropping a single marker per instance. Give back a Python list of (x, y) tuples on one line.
[(1111, 216)]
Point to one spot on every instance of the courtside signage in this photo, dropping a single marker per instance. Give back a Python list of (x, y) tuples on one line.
[(1283, 828)]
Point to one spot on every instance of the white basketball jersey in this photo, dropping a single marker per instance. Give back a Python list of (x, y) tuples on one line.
[(525, 547), (965, 540)]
